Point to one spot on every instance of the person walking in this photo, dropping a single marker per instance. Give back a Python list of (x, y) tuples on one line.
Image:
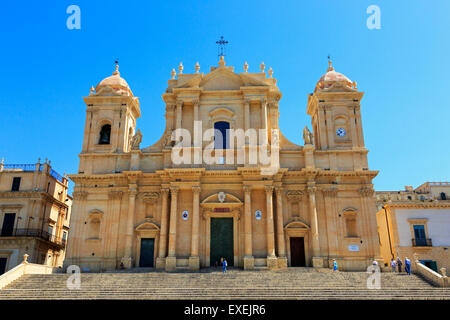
[(407, 265), (399, 264), (393, 264), (224, 265), (335, 267)]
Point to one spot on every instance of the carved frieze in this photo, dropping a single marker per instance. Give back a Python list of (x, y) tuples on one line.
[(294, 195)]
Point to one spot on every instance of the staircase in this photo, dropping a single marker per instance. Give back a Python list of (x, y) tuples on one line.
[(292, 283)]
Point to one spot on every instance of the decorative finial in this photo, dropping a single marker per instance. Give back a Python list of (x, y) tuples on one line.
[(330, 68), (262, 66), (222, 61), (3, 161), (117, 70), (180, 68), (245, 67), (92, 89), (270, 72), (46, 160), (25, 258), (173, 73), (197, 68), (39, 160), (354, 84)]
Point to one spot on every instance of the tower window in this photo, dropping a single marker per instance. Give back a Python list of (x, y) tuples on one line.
[(221, 134), (105, 134), (16, 184)]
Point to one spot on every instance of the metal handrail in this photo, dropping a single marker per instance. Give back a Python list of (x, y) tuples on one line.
[(418, 242)]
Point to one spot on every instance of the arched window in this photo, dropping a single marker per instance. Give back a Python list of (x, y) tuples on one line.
[(221, 134), (105, 134), (443, 196)]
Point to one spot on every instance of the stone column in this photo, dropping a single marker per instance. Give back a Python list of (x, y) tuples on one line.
[(127, 260), (196, 106), (282, 259), (249, 261), (194, 260), (162, 252), (317, 260), (179, 114), (264, 120), (247, 114), (171, 260), (271, 258)]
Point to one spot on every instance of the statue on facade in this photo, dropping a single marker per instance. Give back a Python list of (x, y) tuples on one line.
[(168, 142), (136, 140), (307, 136)]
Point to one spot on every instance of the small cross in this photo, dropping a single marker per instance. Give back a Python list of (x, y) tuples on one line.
[(221, 47)]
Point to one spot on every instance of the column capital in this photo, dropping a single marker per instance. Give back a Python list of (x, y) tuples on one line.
[(311, 190), (165, 190), (279, 190), (247, 189), (330, 192), (195, 102), (115, 195), (180, 103), (196, 189), (268, 189), (174, 190), (366, 191)]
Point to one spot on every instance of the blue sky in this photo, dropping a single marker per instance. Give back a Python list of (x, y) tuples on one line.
[(403, 68)]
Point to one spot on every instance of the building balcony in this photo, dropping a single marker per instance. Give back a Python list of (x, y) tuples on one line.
[(422, 243), (33, 233)]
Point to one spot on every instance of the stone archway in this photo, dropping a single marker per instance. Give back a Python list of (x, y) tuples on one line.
[(221, 205), (296, 230)]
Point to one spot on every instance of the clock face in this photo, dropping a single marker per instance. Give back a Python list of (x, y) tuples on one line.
[(341, 132)]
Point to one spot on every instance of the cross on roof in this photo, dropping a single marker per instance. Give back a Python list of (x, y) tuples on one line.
[(221, 46)]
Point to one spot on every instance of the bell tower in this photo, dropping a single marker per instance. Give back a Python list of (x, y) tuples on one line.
[(111, 113), (335, 110)]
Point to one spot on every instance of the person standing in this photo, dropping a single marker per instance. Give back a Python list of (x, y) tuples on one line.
[(399, 264), (224, 265), (393, 264), (407, 265), (335, 267)]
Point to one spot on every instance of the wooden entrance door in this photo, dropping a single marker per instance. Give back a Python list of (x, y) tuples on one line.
[(222, 244), (298, 252), (147, 253)]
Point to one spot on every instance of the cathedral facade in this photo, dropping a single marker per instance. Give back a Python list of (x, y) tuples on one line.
[(222, 181)]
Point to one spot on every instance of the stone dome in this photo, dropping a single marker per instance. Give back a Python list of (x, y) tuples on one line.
[(332, 77), (115, 82)]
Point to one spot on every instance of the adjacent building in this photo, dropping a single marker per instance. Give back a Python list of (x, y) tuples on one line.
[(168, 206), (416, 221), (34, 214)]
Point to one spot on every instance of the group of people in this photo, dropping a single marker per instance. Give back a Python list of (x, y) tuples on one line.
[(223, 263), (394, 264), (397, 264)]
